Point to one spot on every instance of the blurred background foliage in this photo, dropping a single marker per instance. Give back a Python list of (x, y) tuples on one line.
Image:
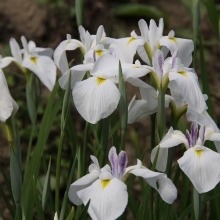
[(48, 21)]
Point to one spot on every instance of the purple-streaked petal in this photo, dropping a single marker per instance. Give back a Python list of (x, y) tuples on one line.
[(189, 138), (113, 158), (174, 56), (202, 134), (194, 132), (123, 160)]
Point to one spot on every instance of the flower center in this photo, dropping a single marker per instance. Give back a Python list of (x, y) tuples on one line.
[(100, 80), (105, 183)]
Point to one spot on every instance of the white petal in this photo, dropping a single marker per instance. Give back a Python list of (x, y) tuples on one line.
[(201, 165), (158, 61), (6, 61), (60, 53), (44, 51), (202, 119), (44, 68), (125, 48), (77, 73), (185, 48), (158, 181), (6, 101), (15, 50), (161, 159), (80, 184), (143, 55), (108, 199), (143, 29), (188, 86), (95, 98)]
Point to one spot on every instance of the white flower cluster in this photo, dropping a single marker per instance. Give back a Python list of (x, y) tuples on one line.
[(167, 60)]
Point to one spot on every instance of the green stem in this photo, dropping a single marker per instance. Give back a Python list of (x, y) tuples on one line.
[(85, 147), (104, 140), (57, 195), (197, 204), (161, 113)]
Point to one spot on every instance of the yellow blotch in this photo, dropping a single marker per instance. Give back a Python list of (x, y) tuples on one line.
[(100, 80), (99, 52), (135, 66), (183, 73), (199, 152), (173, 39), (131, 40), (34, 60), (105, 183)]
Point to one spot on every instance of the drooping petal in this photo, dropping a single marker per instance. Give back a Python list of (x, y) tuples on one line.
[(6, 101), (15, 50), (108, 199), (158, 181), (185, 48), (80, 184), (6, 61), (77, 73), (187, 86), (44, 68), (204, 119), (171, 139), (201, 165), (161, 159), (60, 53), (95, 98)]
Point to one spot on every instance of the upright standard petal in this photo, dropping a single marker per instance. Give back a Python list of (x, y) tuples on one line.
[(108, 198), (201, 165), (95, 98), (43, 67), (15, 50), (125, 48)]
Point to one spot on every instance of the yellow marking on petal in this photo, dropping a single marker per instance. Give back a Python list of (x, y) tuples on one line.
[(131, 40), (105, 183), (199, 152), (100, 80), (183, 73), (173, 39), (135, 67), (34, 60), (99, 52)]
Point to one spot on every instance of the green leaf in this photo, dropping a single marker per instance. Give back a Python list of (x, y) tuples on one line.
[(79, 12), (65, 199), (83, 212), (213, 15), (71, 215), (205, 80), (123, 108), (40, 214), (46, 186), (33, 170), (138, 10)]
